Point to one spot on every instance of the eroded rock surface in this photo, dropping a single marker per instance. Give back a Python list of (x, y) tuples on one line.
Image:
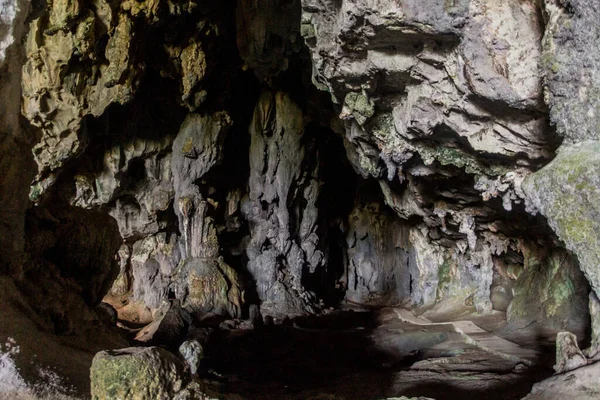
[(438, 93), (187, 167), (136, 373), (284, 243), (579, 384), (566, 191), (378, 257)]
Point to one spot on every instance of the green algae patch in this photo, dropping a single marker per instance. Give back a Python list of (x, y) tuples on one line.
[(135, 373), (567, 193), (550, 287)]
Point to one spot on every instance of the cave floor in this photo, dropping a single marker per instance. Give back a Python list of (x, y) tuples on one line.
[(374, 354)]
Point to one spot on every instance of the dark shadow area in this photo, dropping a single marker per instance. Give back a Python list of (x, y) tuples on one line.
[(298, 357), (353, 355), (335, 203)]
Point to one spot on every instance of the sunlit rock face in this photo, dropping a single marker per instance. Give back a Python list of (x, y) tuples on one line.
[(443, 104)]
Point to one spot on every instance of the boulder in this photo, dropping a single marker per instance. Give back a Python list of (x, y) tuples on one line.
[(136, 373), (580, 384), (567, 192), (192, 352)]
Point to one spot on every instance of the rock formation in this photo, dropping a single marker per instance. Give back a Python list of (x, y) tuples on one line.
[(177, 161)]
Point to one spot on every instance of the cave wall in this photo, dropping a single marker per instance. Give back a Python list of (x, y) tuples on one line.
[(181, 153), (16, 164), (566, 190)]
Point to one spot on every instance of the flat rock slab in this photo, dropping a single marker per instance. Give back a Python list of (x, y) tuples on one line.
[(478, 337), (580, 384)]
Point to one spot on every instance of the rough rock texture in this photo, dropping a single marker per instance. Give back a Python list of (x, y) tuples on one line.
[(438, 93), (441, 105), (208, 285), (378, 257), (51, 83), (568, 355), (550, 289), (169, 326), (192, 352), (573, 90), (187, 167), (136, 373), (579, 384), (284, 244), (567, 191), (593, 351)]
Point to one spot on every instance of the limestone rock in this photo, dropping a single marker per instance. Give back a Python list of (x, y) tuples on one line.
[(431, 92), (8, 18), (168, 327), (208, 285), (581, 384), (122, 284), (153, 261), (566, 191), (268, 33), (197, 148), (55, 91), (284, 242), (136, 373), (192, 352), (378, 258), (568, 355), (550, 288), (593, 352), (572, 69), (135, 181)]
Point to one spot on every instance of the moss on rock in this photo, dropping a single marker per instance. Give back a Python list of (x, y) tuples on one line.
[(135, 373), (567, 192)]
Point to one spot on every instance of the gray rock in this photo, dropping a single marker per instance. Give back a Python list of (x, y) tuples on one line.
[(378, 257), (208, 285), (593, 352), (568, 355), (192, 352), (550, 288), (284, 240), (567, 192), (153, 261), (429, 92), (579, 384), (571, 69), (168, 327), (268, 34)]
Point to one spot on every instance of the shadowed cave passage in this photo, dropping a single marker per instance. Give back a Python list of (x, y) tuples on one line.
[(363, 354)]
